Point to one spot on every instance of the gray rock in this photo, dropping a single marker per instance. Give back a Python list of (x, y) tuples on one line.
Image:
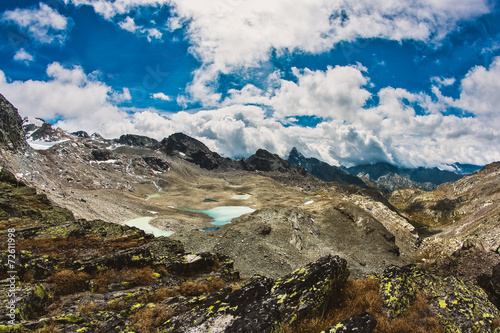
[(11, 130)]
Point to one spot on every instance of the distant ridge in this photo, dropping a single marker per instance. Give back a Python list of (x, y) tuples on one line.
[(388, 177), (322, 170)]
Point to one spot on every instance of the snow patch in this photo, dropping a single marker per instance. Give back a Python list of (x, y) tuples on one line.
[(43, 145)]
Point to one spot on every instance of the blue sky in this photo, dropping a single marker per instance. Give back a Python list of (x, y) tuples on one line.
[(412, 83)]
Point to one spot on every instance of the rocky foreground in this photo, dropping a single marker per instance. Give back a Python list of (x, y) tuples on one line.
[(91, 276)]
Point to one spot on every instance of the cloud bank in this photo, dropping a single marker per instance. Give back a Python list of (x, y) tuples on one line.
[(350, 132)]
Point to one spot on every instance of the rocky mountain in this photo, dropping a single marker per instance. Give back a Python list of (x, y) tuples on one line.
[(194, 151), (388, 177), (38, 130), (417, 261), (322, 170), (11, 133), (138, 141), (465, 169)]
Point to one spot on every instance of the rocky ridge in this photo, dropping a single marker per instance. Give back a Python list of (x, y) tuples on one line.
[(388, 178), (11, 133), (322, 170)]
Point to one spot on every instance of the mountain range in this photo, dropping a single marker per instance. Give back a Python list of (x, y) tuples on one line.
[(428, 256)]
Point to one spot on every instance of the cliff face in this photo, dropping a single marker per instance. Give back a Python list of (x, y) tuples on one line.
[(11, 130)]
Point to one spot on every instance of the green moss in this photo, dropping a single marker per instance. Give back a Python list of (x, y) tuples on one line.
[(74, 318)]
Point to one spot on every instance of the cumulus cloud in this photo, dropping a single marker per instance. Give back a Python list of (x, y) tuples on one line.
[(161, 96), (22, 56), (230, 37), (43, 24), (72, 95), (129, 24), (350, 133)]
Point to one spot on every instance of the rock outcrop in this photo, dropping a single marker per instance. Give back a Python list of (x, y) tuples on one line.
[(460, 306), (194, 151), (263, 305), (134, 140), (11, 131)]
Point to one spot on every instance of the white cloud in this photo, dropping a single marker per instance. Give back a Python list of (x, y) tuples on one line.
[(161, 96), (22, 56), (229, 37), (391, 131), (233, 36), (44, 24), (480, 91), (81, 101), (129, 24)]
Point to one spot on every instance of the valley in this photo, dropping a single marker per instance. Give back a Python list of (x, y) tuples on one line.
[(269, 216)]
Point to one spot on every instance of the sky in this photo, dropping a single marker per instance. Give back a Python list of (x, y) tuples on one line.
[(413, 83)]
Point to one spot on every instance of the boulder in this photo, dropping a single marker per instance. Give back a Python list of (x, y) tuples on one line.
[(491, 283), (460, 306), (263, 304)]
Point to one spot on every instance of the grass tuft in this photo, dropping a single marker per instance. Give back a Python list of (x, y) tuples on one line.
[(68, 282)]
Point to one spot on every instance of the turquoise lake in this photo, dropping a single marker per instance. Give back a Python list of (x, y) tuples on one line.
[(224, 214), (143, 224)]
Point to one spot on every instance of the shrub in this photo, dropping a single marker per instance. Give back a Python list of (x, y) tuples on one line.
[(147, 319), (190, 288), (68, 282), (363, 295)]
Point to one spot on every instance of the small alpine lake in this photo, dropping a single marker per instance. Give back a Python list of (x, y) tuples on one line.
[(143, 224), (224, 214)]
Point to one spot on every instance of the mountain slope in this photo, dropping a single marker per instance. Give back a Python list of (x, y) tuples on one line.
[(322, 170), (11, 132)]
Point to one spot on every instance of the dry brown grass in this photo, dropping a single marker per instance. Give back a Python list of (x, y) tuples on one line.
[(359, 296), (147, 319), (137, 276), (158, 296), (116, 306), (88, 309), (68, 282), (495, 324), (190, 288), (74, 247), (49, 328)]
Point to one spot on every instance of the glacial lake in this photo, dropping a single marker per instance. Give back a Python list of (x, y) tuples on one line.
[(143, 224), (224, 214)]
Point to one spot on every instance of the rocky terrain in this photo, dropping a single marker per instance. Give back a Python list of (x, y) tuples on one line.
[(330, 256)]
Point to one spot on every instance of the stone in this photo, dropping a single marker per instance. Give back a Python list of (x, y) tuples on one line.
[(263, 305), (460, 306), (363, 323)]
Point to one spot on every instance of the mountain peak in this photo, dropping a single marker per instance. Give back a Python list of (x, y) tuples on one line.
[(11, 130), (323, 170)]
